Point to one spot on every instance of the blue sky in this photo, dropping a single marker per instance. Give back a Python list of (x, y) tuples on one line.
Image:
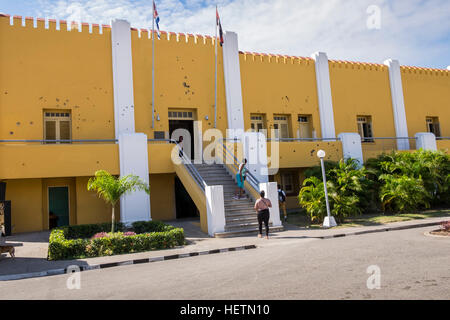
[(416, 32)]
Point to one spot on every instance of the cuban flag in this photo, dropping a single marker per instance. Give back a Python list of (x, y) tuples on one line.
[(218, 24), (156, 18)]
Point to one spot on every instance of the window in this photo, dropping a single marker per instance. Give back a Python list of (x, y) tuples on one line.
[(433, 126), (181, 115), (57, 126), (281, 126), (304, 127), (257, 123), (365, 128)]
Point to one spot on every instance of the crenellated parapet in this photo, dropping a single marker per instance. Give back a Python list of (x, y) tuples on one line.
[(98, 29), (357, 65), (53, 24), (275, 58), (424, 71)]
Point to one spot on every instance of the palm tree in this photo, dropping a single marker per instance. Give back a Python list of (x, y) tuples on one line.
[(110, 188)]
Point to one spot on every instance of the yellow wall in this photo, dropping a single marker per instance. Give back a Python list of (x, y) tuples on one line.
[(427, 94), (51, 69), (162, 196), (304, 153), (360, 89), (443, 145), (26, 204), (277, 85), (184, 78), (91, 208), (39, 161)]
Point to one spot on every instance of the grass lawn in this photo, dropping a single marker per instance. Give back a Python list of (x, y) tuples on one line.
[(302, 220)]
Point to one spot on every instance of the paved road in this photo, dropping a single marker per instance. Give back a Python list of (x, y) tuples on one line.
[(412, 266)]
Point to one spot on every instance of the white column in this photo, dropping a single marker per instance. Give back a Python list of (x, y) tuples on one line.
[(398, 103), (426, 141), (233, 90), (133, 152), (271, 190), (324, 95), (215, 209), (351, 146), (122, 77), (134, 160), (255, 151)]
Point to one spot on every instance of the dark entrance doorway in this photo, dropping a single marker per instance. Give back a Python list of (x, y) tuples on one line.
[(185, 207), (58, 206), (187, 125)]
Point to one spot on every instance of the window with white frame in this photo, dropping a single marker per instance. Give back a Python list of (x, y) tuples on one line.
[(57, 126), (304, 127), (257, 123), (281, 126)]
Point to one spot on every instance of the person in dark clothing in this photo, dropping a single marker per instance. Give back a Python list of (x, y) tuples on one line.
[(262, 206)]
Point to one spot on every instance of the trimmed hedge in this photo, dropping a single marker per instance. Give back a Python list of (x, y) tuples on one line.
[(73, 242)]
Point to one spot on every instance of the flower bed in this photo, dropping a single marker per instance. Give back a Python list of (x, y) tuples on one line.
[(73, 242), (444, 231)]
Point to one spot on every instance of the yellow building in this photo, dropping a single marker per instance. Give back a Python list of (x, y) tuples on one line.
[(78, 98)]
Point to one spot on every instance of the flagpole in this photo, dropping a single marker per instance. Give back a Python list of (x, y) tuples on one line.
[(215, 78), (153, 66)]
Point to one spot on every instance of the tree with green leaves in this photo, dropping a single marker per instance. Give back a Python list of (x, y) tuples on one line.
[(111, 188)]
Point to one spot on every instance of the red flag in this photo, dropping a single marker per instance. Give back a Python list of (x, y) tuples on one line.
[(220, 27)]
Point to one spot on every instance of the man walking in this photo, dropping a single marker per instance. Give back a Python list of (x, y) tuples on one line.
[(282, 201)]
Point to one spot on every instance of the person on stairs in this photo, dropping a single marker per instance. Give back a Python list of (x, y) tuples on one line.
[(240, 179)]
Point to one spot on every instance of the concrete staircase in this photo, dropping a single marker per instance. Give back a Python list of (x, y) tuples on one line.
[(240, 216)]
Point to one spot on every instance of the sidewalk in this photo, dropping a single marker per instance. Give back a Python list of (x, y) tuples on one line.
[(31, 248)]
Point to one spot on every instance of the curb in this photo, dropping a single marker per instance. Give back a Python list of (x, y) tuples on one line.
[(54, 272), (420, 225)]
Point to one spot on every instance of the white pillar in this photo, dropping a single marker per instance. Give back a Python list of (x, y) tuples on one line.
[(351, 146), (324, 95), (133, 154), (398, 103), (215, 209), (255, 151), (233, 90), (122, 77), (271, 190), (426, 141)]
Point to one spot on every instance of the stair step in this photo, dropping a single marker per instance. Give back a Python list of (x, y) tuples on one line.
[(246, 232), (238, 220)]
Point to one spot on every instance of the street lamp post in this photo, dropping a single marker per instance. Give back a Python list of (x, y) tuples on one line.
[(329, 221)]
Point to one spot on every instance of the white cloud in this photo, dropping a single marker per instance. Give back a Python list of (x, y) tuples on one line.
[(415, 32)]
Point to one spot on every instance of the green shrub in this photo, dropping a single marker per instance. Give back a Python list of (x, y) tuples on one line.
[(154, 236), (432, 167), (150, 226), (347, 191), (312, 198), (403, 193)]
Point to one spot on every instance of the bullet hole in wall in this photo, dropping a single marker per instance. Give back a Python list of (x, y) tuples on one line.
[(31, 122), (6, 92), (11, 132), (18, 123)]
